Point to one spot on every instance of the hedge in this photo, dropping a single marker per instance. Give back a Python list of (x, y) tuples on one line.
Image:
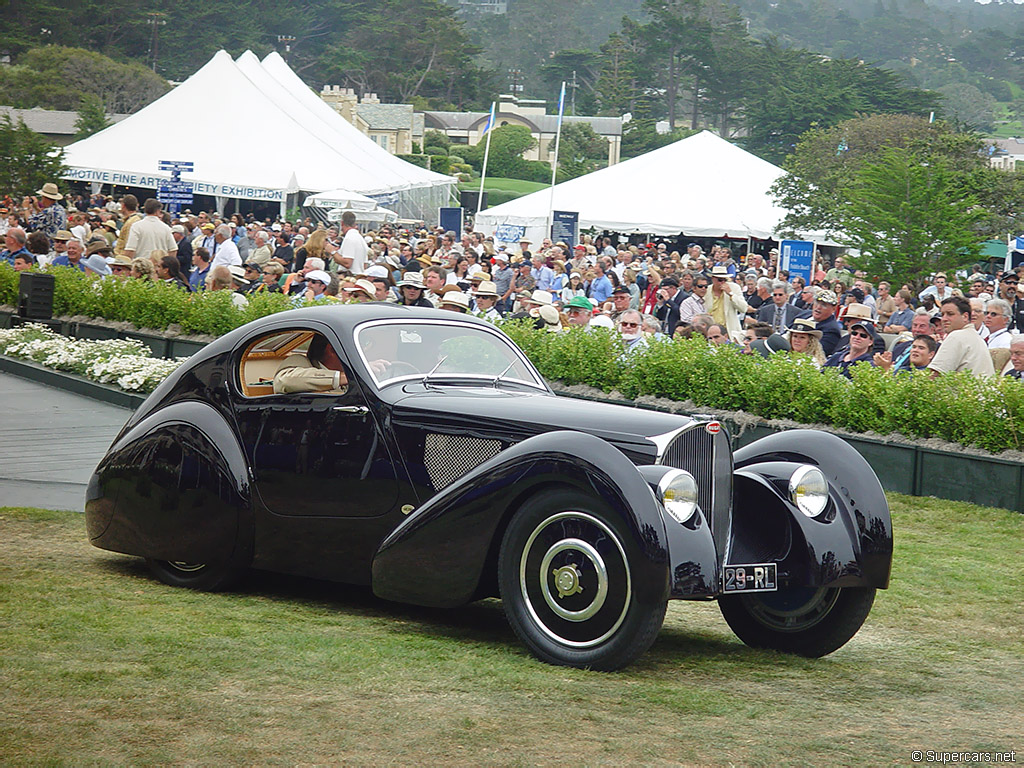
[(960, 408)]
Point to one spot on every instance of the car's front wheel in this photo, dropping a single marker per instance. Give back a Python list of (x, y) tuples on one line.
[(204, 576), (806, 621), (567, 584)]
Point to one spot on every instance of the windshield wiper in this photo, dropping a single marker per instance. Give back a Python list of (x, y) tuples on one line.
[(497, 378), (431, 372)]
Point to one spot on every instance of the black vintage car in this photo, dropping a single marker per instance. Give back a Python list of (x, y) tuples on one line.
[(439, 468)]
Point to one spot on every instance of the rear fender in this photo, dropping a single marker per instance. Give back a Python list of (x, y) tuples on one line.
[(174, 486), (438, 555)]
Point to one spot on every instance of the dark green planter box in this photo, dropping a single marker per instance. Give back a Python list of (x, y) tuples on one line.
[(57, 326), (894, 464), (159, 346), (184, 348), (94, 332), (980, 480)]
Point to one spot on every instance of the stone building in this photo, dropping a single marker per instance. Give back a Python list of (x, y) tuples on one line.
[(467, 127)]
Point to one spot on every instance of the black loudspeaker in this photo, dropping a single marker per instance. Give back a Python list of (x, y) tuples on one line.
[(468, 200), (35, 296)]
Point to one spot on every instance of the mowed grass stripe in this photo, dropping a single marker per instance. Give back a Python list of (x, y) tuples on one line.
[(103, 665)]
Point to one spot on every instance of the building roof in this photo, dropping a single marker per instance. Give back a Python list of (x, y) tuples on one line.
[(386, 117), (1010, 146), (467, 121), (53, 121)]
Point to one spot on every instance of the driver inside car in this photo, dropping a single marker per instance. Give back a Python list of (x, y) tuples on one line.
[(319, 370)]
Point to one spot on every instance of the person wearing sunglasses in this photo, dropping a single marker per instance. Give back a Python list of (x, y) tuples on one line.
[(631, 330), (862, 337)]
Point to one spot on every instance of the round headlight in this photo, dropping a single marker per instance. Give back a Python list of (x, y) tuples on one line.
[(809, 490), (678, 492)]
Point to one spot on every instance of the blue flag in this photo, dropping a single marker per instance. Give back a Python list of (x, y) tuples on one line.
[(490, 121)]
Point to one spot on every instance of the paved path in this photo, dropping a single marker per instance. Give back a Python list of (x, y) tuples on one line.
[(50, 443)]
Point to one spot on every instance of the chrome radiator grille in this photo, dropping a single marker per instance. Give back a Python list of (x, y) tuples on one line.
[(708, 457)]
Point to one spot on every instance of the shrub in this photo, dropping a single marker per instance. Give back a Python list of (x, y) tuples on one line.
[(438, 163), (417, 159)]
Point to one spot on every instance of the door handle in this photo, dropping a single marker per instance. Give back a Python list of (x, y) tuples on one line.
[(361, 409)]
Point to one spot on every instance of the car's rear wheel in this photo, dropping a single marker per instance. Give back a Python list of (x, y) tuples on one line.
[(204, 576), (567, 584), (806, 621)]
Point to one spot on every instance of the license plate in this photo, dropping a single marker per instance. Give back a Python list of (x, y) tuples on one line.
[(751, 578)]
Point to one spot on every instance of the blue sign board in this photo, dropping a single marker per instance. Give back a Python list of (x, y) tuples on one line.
[(451, 220), (564, 227), (1019, 244), (509, 233), (175, 165), (797, 258)]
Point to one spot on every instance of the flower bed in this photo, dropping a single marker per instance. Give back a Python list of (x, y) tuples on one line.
[(123, 362)]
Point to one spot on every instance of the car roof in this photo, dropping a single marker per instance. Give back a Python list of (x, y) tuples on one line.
[(342, 317)]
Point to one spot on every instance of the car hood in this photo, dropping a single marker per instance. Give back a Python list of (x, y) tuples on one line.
[(514, 415)]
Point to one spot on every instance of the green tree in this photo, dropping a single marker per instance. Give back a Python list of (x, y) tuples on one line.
[(92, 118), (27, 159), (616, 82), (640, 135), (402, 49), (910, 215), (56, 78), (820, 173), (508, 143), (581, 150), (969, 106)]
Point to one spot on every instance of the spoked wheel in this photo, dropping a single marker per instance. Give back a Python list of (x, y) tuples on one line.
[(204, 576), (567, 584), (806, 621)]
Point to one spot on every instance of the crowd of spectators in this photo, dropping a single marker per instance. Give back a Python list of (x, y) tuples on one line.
[(645, 292)]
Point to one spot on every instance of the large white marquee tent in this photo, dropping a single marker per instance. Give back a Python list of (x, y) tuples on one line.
[(254, 131), (701, 186)]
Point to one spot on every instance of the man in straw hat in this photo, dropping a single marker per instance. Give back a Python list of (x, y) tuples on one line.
[(455, 301), (486, 297), (45, 215)]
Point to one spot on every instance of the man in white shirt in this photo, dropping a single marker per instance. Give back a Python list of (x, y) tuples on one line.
[(150, 234), (997, 320), (225, 252), (353, 251), (962, 349)]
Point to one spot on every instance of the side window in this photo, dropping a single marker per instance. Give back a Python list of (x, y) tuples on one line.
[(291, 362)]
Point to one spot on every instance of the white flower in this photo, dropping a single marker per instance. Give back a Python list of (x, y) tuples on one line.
[(125, 362)]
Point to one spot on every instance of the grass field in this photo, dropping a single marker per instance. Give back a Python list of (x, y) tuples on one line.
[(103, 665), (518, 186)]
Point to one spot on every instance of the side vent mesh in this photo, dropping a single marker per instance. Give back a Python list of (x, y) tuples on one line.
[(449, 457)]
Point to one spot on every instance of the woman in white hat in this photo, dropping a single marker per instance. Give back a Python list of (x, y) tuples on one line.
[(805, 339)]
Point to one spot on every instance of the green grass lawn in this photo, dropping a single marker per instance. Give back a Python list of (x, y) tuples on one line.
[(505, 185), (103, 665)]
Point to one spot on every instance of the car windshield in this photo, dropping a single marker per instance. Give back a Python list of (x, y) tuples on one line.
[(441, 350)]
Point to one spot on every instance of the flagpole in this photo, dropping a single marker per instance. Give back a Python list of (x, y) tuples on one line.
[(487, 152), (554, 163)]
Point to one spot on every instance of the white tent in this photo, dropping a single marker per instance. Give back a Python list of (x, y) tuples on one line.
[(250, 137), (702, 186), (340, 198)]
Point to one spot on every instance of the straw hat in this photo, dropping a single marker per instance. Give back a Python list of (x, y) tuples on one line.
[(50, 190), (455, 299)]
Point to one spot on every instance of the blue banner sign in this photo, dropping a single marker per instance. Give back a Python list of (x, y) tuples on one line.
[(1018, 244), (797, 258), (564, 227), (509, 233), (451, 220)]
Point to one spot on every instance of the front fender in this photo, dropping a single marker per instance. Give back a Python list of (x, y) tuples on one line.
[(854, 548), (439, 555), (174, 486)]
